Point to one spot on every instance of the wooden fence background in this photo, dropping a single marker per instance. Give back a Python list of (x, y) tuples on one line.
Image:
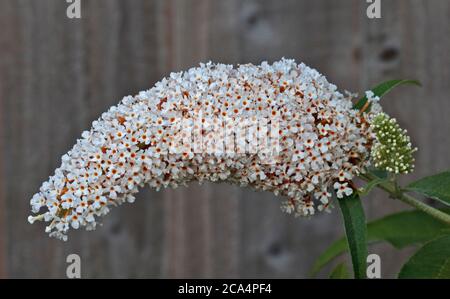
[(58, 74)]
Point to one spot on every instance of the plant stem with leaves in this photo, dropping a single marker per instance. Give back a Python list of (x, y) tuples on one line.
[(396, 192)]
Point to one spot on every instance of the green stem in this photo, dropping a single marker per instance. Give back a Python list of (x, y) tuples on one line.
[(396, 192)]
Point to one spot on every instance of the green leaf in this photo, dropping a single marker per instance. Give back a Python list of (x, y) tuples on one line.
[(435, 186), (406, 228), (340, 272), (355, 230), (430, 261), (384, 88), (400, 230)]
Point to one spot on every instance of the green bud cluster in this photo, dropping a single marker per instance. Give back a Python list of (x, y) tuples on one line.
[(392, 150)]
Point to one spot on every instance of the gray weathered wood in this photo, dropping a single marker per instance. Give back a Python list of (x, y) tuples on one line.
[(57, 75)]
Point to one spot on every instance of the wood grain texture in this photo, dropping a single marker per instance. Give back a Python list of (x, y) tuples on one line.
[(57, 75)]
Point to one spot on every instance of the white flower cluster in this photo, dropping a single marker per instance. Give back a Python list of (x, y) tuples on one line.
[(371, 97), (321, 143)]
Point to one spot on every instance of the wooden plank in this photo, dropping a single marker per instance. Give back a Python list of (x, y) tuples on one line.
[(321, 34), (201, 226), (69, 72), (411, 40), (187, 226), (122, 60), (7, 18)]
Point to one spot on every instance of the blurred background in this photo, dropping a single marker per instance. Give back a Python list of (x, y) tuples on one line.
[(58, 74)]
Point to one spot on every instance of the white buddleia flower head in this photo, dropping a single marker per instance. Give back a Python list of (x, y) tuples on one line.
[(201, 125)]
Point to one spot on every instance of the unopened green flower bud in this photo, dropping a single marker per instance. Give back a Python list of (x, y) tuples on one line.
[(392, 150)]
